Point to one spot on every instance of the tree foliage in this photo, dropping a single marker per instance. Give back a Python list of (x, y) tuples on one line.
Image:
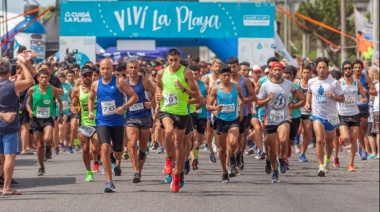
[(328, 12)]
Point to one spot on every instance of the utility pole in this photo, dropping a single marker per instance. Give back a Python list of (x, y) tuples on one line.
[(376, 29), (343, 29)]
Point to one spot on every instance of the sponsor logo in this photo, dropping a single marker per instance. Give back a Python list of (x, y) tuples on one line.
[(78, 17)]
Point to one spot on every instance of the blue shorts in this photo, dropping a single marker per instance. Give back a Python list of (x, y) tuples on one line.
[(209, 115), (10, 144), (328, 126)]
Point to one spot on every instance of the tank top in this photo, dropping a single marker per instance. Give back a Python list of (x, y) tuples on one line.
[(109, 98), (138, 110), (174, 101), (43, 105), (9, 102), (211, 80), (245, 94), (65, 99), (296, 113), (359, 97), (202, 112), (304, 91), (229, 102), (349, 107), (83, 101)]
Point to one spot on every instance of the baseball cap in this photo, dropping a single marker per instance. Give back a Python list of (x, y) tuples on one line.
[(86, 69), (256, 68)]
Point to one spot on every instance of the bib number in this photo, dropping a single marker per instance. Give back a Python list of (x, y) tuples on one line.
[(170, 99), (108, 108), (43, 112), (276, 116), (359, 100), (137, 106), (334, 120), (228, 108), (65, 105), (86, 130), (199, 110), (350, 101)]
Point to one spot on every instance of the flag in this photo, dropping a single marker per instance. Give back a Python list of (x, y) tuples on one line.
[(364, 34), (280, 49)]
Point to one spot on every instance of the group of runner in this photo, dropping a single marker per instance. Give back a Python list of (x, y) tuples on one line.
[(114, 113)]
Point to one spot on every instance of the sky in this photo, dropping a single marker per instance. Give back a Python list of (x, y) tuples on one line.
[(17, 6)]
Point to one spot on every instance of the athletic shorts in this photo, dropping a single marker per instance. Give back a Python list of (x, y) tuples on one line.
[(249, 125), (270, 129), (199, 123), (376, 120), (243, 124), (179, 121), (294, 126), (305, 117), (141, 123), (10, 144), (369, 130), (72, 116), (106, 134), (350, 121), (39, 124), (364, 111), (189, 126), (326, 123), (24, 116), (223, 126)]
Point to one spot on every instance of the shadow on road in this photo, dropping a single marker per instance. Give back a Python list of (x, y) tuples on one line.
[(41, 181)]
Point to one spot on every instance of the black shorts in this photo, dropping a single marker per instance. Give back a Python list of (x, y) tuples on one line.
[(350, 121), (364, 111), (39, 124), (243, 124), (369, 130), (115, 134), (223, 126), (141, 123), (305, 117), (72, 116), (189, 126), (269, 129), (294, 126), (199, 123), (179, 121), (213, 124), (249, 125), (24, 116)]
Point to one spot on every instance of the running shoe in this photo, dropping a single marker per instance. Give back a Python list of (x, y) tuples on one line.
[(225, 178), (321, 171), (287, 163), (268, 167), (168, 166), (311, 145), (13, 182), (95, 167), (327, 165), (136, 178), (282, 165), (336, 162), (41, 171), (110, 187), (56, 150), (364, 155), (175, 183), (241, 167), (155, 145), (371, 156), (70, 150), (125, 156), (181, 180), (214, 147), (194, 164), (249, 151), (275, 177), (212, 158), (351, 168), (77, 148), (168, 178), (117, 170), (360, 150), (297, 149), (160, 150), (147, 151), (205, 147), (303, 158), (90, 176), (113, 165), (186, 168), (48, 154), (234, 171)]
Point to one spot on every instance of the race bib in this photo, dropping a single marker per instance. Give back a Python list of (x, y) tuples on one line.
[(334, 120), (228, 108), (65, 105), (350, 101), (276, 116), (108, 108), (199, 110), (137, 106), (170, 99), (238, 108), (359, 100), (86, 131), (43, 112)]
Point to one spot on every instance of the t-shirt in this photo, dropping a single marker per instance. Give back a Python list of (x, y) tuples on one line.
[(277, 109), (324, 107), (376, 101)]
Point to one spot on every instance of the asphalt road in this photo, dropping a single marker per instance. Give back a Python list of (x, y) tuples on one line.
[(63, 188)]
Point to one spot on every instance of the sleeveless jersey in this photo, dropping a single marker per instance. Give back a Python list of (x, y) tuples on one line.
[(83, 101), (138, 110), (202, 112), (359, 97), (229, 101), (349, 107), (43, 105)]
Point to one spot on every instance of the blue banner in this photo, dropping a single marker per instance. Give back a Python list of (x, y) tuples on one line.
[(167, 19)]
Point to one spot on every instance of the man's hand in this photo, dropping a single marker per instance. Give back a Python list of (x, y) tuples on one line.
[(9, 117), (91, 115), (120, 110)]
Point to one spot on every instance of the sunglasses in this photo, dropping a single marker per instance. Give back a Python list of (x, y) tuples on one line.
[(347, 68), (87, 75)]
